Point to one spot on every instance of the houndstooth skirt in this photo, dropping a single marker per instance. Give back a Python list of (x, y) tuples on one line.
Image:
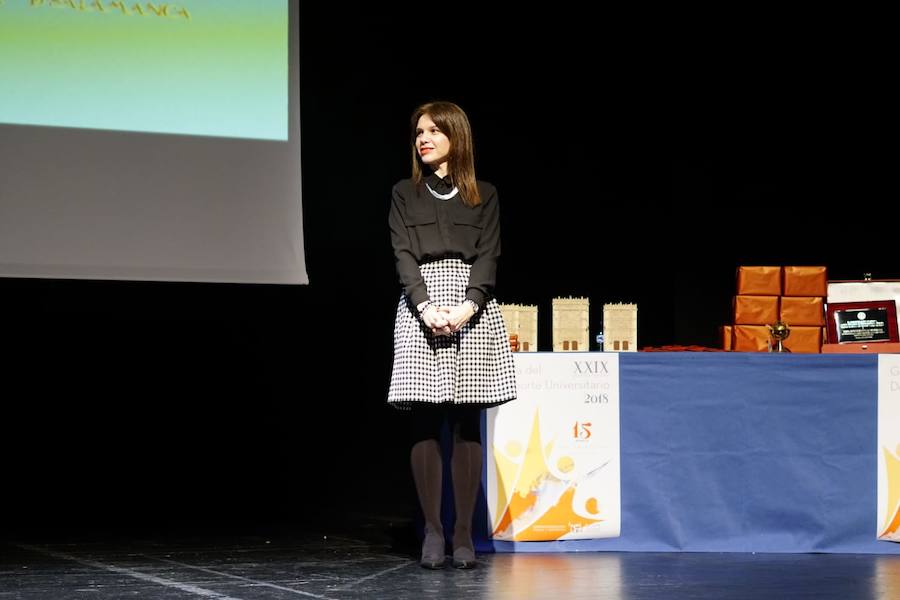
[(472, 366)]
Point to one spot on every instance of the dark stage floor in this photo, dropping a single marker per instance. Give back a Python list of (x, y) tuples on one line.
[(375, 562)]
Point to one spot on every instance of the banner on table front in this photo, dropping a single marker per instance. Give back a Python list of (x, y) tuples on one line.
[(889, 447), (553, 453)]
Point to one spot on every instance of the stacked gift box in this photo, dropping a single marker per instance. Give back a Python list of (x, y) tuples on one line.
[(793, 295)]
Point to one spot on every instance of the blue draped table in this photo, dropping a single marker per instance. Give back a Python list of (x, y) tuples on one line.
[(742, 452)]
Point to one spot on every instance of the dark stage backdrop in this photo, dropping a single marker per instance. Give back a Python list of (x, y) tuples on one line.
[(635, 161)]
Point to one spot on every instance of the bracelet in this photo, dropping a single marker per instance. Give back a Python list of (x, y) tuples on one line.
[(428, 304), (472, 303)]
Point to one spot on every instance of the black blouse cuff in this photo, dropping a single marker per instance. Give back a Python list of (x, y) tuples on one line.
[(476, 296)]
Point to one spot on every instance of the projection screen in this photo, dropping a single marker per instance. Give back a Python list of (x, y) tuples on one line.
[(150, 141)]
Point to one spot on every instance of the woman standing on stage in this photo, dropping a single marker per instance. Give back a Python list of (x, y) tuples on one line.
[(451, 350)]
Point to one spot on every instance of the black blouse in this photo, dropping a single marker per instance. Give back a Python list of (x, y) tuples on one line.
[(425, 228)]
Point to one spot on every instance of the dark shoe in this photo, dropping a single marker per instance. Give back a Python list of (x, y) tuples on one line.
[(433, 556), (464, 558)]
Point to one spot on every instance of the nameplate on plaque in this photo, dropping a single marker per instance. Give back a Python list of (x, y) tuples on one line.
[(862, 322)]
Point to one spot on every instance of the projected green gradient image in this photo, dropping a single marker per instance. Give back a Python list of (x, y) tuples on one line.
[(197, 67)]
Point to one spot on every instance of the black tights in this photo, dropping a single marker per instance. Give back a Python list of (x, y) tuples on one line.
[(465, 466), (464, 421)]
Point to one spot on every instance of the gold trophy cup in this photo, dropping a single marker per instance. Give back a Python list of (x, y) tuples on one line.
[(779, 332)]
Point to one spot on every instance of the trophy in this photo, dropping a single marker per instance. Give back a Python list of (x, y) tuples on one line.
[(779, 332)]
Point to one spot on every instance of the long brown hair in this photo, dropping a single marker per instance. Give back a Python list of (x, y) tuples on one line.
[(454, 123)]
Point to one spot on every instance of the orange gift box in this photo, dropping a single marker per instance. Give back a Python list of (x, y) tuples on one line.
[(804, 340), (800, 310), (755, 310), (805, 281), (759, 281), (727, 336), (751, 338)]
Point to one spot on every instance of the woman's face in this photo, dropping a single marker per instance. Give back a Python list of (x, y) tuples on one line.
[(431, 143)]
